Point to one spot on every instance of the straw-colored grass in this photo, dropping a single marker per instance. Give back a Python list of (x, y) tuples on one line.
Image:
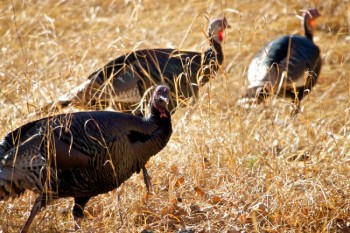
[(225, 169)]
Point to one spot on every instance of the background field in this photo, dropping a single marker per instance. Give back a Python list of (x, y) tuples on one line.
[(225, 169)]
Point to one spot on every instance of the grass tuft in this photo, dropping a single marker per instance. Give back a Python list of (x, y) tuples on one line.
[(225, 169)]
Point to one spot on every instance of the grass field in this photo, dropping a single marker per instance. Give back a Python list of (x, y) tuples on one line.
[(225, 169)]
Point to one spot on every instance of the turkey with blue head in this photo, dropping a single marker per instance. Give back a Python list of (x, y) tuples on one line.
[(288, 66), (81, 154)]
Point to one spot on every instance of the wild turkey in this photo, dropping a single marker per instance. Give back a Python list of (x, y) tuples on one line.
[(123, 81), (81, 154), (288, 66)]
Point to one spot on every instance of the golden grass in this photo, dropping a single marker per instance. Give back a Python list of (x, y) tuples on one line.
[(225, 169)]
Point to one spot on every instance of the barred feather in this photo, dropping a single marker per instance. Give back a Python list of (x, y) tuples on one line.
[(81, 154)]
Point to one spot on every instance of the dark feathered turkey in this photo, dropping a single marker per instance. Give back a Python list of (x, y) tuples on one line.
[(81, 154), (288, 66), (121, 83)]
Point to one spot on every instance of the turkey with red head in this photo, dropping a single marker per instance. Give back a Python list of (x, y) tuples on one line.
[(288, 66), (122, 83)]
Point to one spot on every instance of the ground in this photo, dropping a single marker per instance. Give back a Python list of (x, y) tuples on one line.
[(225, 169)]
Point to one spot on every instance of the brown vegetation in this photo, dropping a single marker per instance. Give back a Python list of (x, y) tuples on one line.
[(225, 169)]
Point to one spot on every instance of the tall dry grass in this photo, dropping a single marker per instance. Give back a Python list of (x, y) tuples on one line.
[(225, 169)]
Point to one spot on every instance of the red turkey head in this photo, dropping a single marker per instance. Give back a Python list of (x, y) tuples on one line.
[(309, 19), (217, 28)]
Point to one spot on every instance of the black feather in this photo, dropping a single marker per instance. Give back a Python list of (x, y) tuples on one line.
[(82, 154), (135, 136)]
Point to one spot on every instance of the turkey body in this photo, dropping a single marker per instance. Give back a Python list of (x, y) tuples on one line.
[(122, 83), (99, 138), (81, 154), (297, 55), (288, 66)]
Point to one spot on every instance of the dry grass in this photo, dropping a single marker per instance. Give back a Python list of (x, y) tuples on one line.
[(225, 169)]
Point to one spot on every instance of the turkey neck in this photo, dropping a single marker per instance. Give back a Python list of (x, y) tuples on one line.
[(164, 129), (215, 52), (214, 58), (160, 136), (309, 34)]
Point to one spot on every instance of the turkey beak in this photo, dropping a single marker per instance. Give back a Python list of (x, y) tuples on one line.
[(164, 101), (225, 24)]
